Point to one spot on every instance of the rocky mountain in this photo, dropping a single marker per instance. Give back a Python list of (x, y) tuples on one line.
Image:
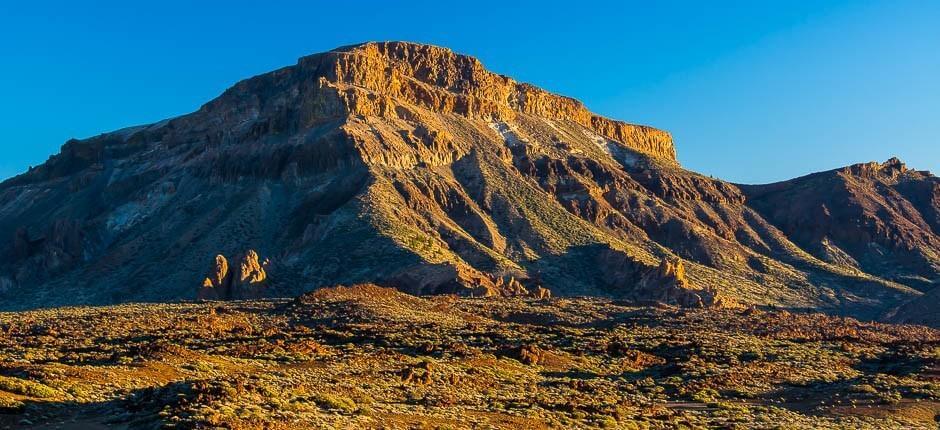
[(879, 218), (414, 167)]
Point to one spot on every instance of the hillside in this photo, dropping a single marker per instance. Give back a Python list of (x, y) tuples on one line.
[(414, 167)]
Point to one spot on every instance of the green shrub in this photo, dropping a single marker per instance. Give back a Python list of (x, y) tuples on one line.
[(334, 402), (864, 388), (706, 395), (26, 388)]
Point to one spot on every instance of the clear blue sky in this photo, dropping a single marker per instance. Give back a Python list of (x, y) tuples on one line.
[(752, 91)]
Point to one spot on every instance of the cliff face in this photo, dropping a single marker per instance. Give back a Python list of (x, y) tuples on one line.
[(389, 79), (412, 166)]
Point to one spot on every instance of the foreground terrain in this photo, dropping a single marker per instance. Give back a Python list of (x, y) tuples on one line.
[(367, 357)]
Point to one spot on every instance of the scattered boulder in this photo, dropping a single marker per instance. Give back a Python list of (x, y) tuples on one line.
[(542, 293), (633, 358), (511, 287), (529, 354), (419, 374), (308, 347), (617, 348)]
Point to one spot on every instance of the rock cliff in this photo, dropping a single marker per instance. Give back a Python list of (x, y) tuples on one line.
[(412, 166)]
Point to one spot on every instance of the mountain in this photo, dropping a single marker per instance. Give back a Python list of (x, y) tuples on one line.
[(414, 167), (918, 310)]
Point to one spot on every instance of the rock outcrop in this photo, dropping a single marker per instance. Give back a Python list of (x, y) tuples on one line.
[(390, 79), (528, 354), (668, 284), (219, 277), (542, 293), (411, 166), (251, 269), (225, 284)]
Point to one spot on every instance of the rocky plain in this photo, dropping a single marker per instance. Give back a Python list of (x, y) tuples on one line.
[(373, 357)]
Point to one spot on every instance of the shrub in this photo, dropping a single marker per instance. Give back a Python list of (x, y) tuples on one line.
[(864, 388), (335, 402), (8, 405), (26, 388), (706, 395)]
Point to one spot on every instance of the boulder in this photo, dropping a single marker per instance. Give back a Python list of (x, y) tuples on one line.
[(542, 293), (529, 354)]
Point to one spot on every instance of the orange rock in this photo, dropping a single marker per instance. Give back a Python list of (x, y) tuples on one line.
[(224, 284), (529, 354), (251, 270)]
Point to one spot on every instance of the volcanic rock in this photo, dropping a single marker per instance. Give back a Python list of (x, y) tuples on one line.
[(528, 354), (219, 276), (224, 284), (411, 166), (668, 284)]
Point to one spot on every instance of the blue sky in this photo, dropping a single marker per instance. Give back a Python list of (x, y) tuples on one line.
[(752, 91)]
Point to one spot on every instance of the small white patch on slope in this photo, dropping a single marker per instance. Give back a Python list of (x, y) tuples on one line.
[(509, 134), (615, 149)]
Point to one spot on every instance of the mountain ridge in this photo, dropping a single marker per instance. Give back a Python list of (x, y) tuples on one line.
[(412, 166)]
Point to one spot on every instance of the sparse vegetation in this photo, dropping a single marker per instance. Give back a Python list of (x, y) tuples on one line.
[(366, 357), (26, 387)]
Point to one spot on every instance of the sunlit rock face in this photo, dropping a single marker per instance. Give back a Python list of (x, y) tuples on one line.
[(248, 282), (412, 166)]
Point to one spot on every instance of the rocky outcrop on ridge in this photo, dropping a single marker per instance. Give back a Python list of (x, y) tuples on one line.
[(668, 284)]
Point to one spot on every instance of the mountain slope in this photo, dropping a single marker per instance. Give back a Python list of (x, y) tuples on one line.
[(918, 310), (412, 166), (876, 217)]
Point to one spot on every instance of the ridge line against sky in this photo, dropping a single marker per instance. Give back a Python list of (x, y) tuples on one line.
[(751, 92)]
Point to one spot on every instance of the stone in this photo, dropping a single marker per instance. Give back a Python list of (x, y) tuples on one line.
[(667, 284), (219, 276), (251, 269), (542, 293), (529, 354), (224, 284)]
